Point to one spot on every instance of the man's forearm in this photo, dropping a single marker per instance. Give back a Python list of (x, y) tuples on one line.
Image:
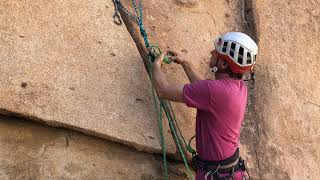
[(192, 73), (159, 79)]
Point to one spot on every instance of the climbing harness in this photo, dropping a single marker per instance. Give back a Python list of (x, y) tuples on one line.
[(228, 166), (160, 105)]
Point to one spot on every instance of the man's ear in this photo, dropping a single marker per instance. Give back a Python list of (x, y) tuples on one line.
[(225, 65)]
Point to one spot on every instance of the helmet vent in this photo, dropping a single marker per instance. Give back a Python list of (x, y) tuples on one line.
[(240, 55), (224, 49), (232, 49), (249, 58)]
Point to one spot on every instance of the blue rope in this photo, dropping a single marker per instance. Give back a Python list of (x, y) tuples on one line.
[(139, 14)]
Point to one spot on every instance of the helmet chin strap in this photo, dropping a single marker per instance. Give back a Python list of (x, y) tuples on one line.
[(215, 68)]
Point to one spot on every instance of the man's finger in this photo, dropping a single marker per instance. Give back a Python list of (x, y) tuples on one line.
[(162, 54), (173, 53), (173, 58), (160, 57)]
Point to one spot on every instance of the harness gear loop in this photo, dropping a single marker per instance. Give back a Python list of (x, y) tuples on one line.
[(212, 173), (232, 173), (206, 176), (116, 15)]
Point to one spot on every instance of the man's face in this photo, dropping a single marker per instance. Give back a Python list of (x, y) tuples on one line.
[(213, 59), (221, 65)]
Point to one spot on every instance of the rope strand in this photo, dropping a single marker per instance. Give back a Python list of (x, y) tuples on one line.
[(164, 105)]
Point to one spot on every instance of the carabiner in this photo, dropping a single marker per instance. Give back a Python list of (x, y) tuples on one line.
[(208, 173), (116, 16)]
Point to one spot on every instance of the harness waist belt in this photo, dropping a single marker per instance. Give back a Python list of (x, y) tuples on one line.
[(231, 164)]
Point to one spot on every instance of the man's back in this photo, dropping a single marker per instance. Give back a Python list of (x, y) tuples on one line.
[(220, 110)]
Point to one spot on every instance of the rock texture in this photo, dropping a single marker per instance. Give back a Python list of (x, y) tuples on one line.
[(190, 31), (30, 151), (287, 101), (189, 27), (66, 63)]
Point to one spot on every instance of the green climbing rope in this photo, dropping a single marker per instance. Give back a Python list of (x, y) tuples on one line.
[(160, 124), (163, 104)]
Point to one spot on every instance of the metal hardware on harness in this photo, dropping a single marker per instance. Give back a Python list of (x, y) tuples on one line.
[(229, 166), (212, 173), (206, 167), (206, 176)]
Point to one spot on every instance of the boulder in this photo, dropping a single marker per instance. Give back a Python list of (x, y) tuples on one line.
[(33, 151), (188, 27), (287, 101), (66, 63)]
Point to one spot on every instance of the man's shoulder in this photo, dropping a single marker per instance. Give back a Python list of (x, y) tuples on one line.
[(225, 85), (213, 82), (221, 84)]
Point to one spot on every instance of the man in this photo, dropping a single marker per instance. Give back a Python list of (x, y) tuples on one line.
[(220, 103)]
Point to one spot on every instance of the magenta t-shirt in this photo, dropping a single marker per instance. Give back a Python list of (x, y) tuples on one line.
[(220, 110)]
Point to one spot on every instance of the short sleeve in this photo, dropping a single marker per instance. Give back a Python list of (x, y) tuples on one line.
[(197, 95)]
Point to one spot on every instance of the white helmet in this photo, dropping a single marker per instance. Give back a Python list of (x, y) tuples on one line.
[(238, 49)]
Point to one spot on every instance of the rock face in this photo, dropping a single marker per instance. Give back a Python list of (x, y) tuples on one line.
[(66, 63), (287, 101), (29, 151), (189, 27)]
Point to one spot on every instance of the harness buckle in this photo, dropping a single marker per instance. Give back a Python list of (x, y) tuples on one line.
[(242, 165)]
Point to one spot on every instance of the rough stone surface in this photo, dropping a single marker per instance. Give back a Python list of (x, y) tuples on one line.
[(31, 151), (68, 64), (189, 27), (287, 101), (65, 64)]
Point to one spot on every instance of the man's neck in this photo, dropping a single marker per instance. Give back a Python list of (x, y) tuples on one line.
[(220, 75)]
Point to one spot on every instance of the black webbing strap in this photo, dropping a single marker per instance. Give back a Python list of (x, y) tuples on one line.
[(218, 166)]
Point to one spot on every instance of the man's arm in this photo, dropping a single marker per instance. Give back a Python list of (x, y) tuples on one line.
[(192, 73), (188, 67), (164, 88)]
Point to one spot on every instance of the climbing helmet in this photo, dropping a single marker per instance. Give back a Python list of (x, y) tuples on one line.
[(238, 50)]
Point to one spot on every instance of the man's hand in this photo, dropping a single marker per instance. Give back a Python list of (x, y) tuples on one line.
[(190, 70), (164, 88), (158, 61), (173, 56)]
